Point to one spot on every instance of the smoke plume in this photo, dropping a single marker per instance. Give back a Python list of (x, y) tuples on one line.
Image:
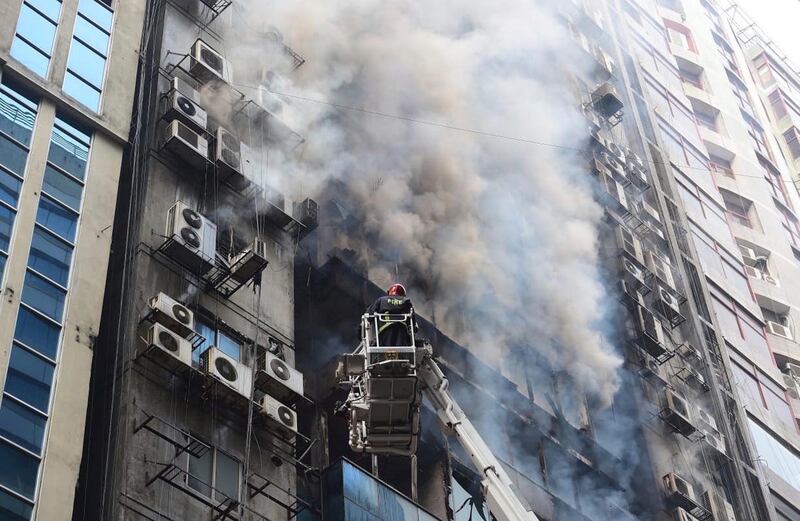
[(496, 237)]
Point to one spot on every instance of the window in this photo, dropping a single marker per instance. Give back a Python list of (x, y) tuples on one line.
[(727, 52), (782, 460), (215, 471), (680, 35), (36, 31), (741, 329), (764, 70), (87, 56), (792, 137), (757, 136), (740, 92), (26, 397), (790, 224), (721, 166), (778, 105), (218, 338), (708, 121), (761, 392), (693, 78)]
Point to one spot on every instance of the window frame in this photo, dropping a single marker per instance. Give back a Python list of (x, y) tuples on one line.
[(215, 451)]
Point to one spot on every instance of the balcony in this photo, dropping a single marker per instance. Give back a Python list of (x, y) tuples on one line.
[(351, 494)]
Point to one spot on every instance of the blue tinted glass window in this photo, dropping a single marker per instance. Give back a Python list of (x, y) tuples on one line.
[(37, 333), (96, 12), (228, 345), (12, 155), (69, 151), (30, 57), (50, 256), (91, 35), (29, 378), (355, 513), (86, 63), (17, 116), (13, 508), (18, 471), (50, 8), (43, 296), (36, 29), (208, 333), (56, 218), (9, 188), (21, 425), (62, 187), (360, 487), (82, 91), (6, 222), (2, 265)]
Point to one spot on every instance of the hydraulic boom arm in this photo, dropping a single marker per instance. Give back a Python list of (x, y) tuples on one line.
[(504, 503)]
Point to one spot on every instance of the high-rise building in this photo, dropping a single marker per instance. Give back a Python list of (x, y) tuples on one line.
[(614, 312), (68, 82)]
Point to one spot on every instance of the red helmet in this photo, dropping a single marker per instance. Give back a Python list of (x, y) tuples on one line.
[(396, 290)]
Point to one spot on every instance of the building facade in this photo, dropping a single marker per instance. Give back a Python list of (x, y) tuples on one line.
[(68, 80), (230, 296)]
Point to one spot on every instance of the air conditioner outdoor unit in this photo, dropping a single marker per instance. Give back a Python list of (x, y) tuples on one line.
[(631, 293), (677, 414), (191, 238), (169, 349), (667, 304), (634, 160), (207, 64), (716, 441), (791, 386), (632, 273), (689, 353), (659, 267), (694, 378), (779, 330), (766, 277), (228, 371), (172, 314), (280, 416), (629, 243), (792, 369), (229, 160), (650, 212), (652, 333), (638, 176), (677, 486), (181, 105), (720, 508), (617, 153), (707, 420), (680, 514), (250, 262), (279, 379), (307, 212), (186, 143), (652, 372), (605, 99), (614, 189)]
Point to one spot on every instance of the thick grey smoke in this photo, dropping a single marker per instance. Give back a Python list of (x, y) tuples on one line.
[(496, 237)]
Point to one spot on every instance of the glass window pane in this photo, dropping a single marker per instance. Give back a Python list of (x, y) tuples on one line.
[(228, 345), (50, 256), (43, 296), (227, 477), (87, 63), (16, 119), (200, 472), (68, 152), (360, 487), (208, 333), (21, 425), (12, 156), (82, 91), (58, 219), (96, 12), (9, 188), (6, 223), (51, 8), (14, 509), (91, 35), (18, 471), (36, 29), (37, 333), (62, 187), (2, 266), (30, 57), (29, 378)]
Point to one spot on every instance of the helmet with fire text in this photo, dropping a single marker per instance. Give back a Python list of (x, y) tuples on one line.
[(396, 290)]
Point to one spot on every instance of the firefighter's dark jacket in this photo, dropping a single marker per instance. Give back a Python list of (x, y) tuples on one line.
[(395, 334)]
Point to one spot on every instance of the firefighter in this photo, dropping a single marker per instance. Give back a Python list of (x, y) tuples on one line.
[(395, 302)]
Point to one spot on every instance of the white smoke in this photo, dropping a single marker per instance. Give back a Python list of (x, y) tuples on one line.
[(498, 236)]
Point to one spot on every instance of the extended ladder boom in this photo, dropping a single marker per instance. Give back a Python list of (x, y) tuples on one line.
[(504, 503)]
